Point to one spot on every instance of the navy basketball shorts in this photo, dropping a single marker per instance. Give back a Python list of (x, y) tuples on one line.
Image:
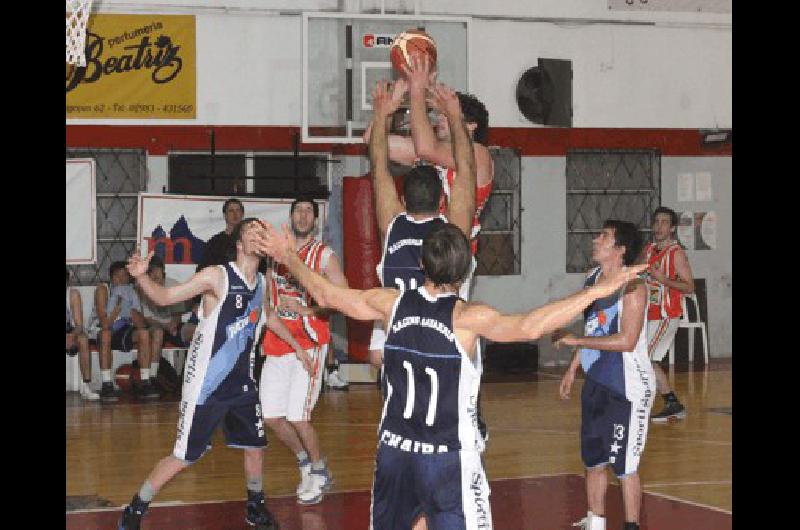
[(450, 488), (241, 422), (122, 339), (613, 431)]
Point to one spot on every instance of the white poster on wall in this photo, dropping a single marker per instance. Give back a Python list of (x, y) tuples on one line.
[(177, 227), (705, 233), (685, 187), (81, 218), (704, 192)]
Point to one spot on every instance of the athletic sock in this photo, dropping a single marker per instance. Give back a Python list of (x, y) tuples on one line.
[(145, 373), (106, 375), (145, 494), (631, 526), (254, 485), (87, 381), (319, 465), (302, 458), (153, 369)]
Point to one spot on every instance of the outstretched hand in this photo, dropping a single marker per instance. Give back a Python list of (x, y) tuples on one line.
[(419, 72), (444, 99), (609, 284), (138, 265), (273, 243), (387, 97)]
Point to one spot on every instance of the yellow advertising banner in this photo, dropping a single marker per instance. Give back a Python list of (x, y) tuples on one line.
[(137, 66)]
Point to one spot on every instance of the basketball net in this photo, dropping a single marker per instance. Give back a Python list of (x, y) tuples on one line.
[(77, 16)]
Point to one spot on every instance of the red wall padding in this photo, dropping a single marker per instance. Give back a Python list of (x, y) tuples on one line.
[(361, 254)]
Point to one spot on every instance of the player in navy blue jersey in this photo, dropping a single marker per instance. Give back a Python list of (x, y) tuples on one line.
[(429, 449), (218, 385), (404, 222), (620, 384)]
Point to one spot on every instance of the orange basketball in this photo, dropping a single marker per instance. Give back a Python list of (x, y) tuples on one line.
[(412, 42), (124, 375)]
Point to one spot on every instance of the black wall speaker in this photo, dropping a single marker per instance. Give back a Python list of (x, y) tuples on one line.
[(544, 93)]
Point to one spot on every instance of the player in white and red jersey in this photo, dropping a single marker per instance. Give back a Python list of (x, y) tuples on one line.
[(289, 390), (431, 143), (669, 278)]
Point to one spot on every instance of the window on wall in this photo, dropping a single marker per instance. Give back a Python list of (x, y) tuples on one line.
[(499, 239), (262, 175), (608, 184), (120, 175)]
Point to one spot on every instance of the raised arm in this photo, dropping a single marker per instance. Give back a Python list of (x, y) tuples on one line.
[(372, 304), (387, 203), (208, 280), (461, 207), (490, 323)]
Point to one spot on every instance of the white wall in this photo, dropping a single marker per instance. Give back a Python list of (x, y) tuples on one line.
[(249, 70), (544, 234)]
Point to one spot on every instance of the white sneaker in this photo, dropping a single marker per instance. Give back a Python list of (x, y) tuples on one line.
[(305, 478), (319, 483), (591, 522), (335, 381), (88, 393)]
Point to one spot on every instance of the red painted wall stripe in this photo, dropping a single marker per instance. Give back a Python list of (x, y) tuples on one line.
[(160, 139)]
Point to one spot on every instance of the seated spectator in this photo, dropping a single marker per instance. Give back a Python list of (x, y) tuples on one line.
[(78, 341), (164, 322), (123, 328)]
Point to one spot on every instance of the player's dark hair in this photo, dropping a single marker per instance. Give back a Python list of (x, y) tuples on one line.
[(114, 267), (156, 263), (303, 198), (475, 112), (237, 231), (229, 202), (422, 189), (673, 217), (626, 235), (446, 256)]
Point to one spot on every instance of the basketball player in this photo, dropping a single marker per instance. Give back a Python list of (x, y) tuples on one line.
[(429, 144), (669, 278), (403, 223), (428, 436), (78, 341), (218, 385), (618, 391), (289, 390)]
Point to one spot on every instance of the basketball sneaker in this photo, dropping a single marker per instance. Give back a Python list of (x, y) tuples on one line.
[(132, 515), (108, 392), (305, 476), (257, 513), (320, 482), (672, 409), (591, 522), (145, 390), (87, 392), (334, 381)]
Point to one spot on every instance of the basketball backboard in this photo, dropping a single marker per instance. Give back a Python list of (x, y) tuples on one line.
[(345, 54)]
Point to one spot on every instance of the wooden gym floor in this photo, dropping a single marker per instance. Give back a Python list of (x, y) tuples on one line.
[(532, 460)]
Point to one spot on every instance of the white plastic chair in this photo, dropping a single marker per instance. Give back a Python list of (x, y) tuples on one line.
[(684, 322)]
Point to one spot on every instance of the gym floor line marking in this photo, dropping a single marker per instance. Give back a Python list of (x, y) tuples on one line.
[(693, 503)]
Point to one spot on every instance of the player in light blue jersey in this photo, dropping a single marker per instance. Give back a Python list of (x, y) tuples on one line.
[(218, 386), (428, 436), (620, 384)]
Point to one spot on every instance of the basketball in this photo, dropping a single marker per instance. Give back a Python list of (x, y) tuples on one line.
[(122, 377), (411, 42)]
